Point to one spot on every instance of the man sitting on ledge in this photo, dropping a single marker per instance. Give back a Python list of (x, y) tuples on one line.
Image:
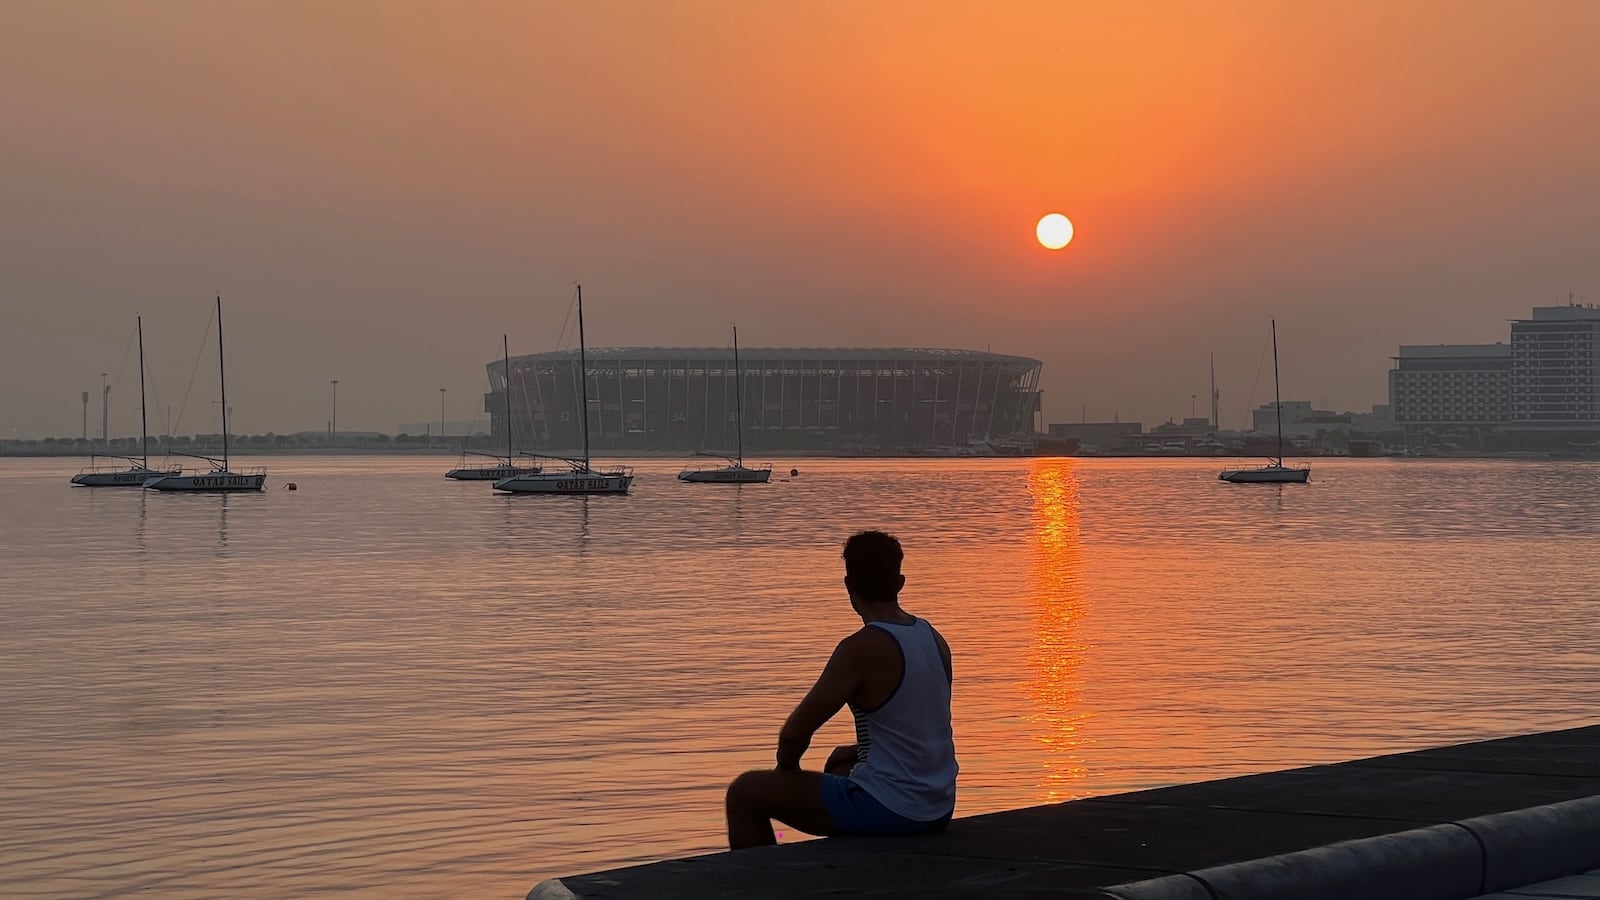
[(900, 775)]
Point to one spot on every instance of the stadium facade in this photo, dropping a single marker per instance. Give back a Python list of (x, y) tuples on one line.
[(685, 399)]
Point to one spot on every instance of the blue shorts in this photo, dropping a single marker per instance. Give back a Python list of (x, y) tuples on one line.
[(854, 811)]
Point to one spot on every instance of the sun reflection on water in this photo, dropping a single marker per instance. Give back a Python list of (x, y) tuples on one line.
[(1057, 652)]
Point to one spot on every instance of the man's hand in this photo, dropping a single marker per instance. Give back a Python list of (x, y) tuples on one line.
[(843, 758)]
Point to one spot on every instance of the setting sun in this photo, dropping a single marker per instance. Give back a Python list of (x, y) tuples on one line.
[(1054, 231)]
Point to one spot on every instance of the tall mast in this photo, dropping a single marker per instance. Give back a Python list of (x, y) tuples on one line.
[(1216, 418), (505, 346), (144, 429), (223, 377), (738, 380), (583, 378), (1277, 390)]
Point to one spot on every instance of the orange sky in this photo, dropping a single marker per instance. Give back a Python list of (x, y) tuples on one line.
[(379, 189)]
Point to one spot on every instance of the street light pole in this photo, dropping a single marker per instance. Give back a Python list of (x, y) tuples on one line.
[(441, 417), (105, 402), (333, 419)]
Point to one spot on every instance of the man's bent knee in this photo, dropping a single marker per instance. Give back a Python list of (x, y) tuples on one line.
[(745, 789)]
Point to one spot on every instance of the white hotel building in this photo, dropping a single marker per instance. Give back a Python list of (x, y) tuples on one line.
[(1451, 385), (1546, 380), (1555, 371)]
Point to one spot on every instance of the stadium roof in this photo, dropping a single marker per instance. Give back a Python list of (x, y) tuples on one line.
[(785, 354)]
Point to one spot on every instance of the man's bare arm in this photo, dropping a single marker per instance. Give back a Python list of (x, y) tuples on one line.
[(833, 689)]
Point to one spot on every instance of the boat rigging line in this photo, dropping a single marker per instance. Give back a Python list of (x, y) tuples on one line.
[(1250, 406), (192, 372)]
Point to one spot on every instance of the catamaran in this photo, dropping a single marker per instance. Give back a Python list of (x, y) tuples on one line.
[(580, 477), (1274, 472), (139, 470), (504, 467), (736, 472), (219, 477)]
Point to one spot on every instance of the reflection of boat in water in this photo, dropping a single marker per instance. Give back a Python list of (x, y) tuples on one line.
[(736, 472), (504, 466), (580, 477), (138, 470), (220, 477), (1275, 472)]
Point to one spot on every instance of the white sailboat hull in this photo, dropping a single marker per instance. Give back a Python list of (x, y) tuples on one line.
[(210, 481), (567, 483), (135, 477), (580, 477), (490, 473), (1266, 475), (736, 472), (218, 479), (138, 470), (727, 475), (1275, 472)]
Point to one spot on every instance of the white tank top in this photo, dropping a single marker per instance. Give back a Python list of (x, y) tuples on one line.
[(907, 754)]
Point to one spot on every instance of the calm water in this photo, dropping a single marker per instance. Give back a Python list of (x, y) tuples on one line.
[(391, 683)]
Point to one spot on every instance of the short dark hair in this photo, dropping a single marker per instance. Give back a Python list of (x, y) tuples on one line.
[(872, 565)]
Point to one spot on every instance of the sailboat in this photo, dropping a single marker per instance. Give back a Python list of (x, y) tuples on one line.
[(735, 472), (504, 467), (580, 477), (1274, 472), (139, 470), (1210, 445), (219, 477)]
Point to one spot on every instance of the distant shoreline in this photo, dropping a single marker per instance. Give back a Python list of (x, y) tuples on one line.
[(1524, 455)]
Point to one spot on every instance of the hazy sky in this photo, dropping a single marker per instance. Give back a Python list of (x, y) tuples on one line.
[(378, 190)]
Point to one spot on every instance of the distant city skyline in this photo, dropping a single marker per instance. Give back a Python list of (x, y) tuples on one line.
[(380, 190), (1234, 415)]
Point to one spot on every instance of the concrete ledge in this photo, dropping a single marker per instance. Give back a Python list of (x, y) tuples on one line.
[(1171, 887), (551, 889), (1454, 861), (1441, 862), (1538, 844), (1445, 824)]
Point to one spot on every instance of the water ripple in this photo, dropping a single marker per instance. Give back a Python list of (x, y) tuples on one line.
[(386, 682)]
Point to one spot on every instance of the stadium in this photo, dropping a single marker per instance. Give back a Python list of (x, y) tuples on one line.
[(686, 399)]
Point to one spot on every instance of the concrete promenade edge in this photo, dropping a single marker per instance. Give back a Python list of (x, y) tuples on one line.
[(1450, 823)]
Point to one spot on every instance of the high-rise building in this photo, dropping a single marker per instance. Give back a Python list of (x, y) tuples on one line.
[(1555, 370), (1444, 385), (1265, 417)]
